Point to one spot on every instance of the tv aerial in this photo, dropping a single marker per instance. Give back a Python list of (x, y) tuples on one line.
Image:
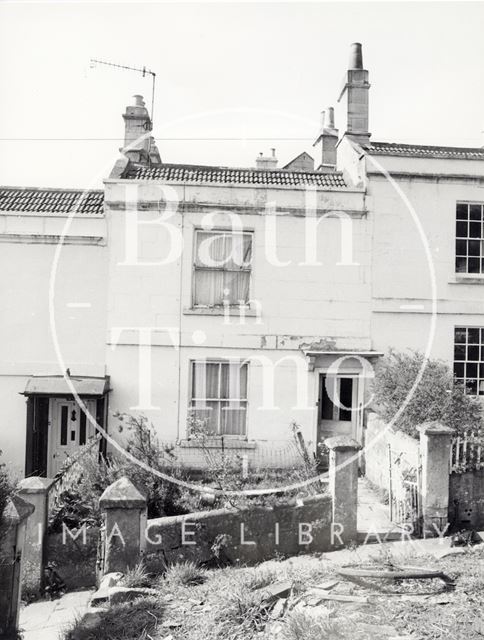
[(144, 72)]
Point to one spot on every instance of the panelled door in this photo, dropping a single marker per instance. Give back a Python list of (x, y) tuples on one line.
[(69, 429)]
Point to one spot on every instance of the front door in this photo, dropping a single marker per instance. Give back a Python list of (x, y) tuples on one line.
[(69, 429), (339, 406)]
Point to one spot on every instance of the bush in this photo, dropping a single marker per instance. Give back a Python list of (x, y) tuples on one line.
[(6, 488), (437, 397), (78, 502)]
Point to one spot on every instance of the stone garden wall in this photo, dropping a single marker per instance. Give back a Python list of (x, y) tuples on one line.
[(241, 536)]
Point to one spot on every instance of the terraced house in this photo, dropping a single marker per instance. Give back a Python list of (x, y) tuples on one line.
[(248, 297)]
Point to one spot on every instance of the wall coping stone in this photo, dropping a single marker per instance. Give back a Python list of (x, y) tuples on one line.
[(17, 510), (202, 515), (122, 494), (35, 484), (435, 429), (342, 443)]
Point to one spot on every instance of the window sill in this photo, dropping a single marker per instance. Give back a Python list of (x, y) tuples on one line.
[(221, 311), (466, 278), (229, 442)]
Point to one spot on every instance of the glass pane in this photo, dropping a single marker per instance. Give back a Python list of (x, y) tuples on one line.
[(473, 353), (239, 250), (236, 287), (209, 413), (210, 249), (233, 381), (474, 265), (473, 335), (208, 288), (460, 334), (462, 211), (205, 380), (328, 390), (471, 369), (474, 247), (346, 399), (461, 229), (475, 212), (233, 419), (459, 369), (460, 247), (82, 429), (475, 230), (459, 352), (63, 436), (461, 265)]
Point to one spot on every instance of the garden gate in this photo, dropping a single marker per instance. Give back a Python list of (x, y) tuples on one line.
[(404, 498)]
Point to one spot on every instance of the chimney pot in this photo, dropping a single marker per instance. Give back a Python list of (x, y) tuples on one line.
[(138, 101), (356, 56), (273, 153), (329, 118)]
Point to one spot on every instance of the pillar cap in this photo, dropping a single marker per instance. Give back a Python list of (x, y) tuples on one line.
[(435, 429), (35, 484), (17, 510), (122, 494), (342, 443)]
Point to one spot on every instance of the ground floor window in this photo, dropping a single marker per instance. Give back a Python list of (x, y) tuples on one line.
[(219, 395), (469, 358)]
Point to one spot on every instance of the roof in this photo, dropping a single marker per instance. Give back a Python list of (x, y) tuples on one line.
[(229, 175), (36, 200), (57, 386), (424, 151)]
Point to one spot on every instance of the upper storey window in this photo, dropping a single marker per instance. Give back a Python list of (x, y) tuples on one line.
[(222, 268), (469, 243)]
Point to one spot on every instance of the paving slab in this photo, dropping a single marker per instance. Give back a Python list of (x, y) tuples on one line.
[(47, 619)]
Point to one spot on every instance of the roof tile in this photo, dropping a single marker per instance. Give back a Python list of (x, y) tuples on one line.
[(36, 200), (424, 151), (226, 175)]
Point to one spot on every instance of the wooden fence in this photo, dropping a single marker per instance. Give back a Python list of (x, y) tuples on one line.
[(467, 452)]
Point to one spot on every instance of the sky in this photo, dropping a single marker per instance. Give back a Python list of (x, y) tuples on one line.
[(235, 71)]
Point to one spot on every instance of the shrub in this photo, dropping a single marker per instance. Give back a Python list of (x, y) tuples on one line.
[(6, 488), (78, 503), (437, 397)]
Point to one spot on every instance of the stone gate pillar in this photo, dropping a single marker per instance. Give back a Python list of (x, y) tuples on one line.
[(435, 442), (124, 510), (36, 491), (343, 484), (12, 541)]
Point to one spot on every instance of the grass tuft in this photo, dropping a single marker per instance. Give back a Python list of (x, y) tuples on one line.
[(134, 620), (309, 625), (136, 577), (185, 574)]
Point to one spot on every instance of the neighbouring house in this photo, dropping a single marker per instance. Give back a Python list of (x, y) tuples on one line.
[(251, 297)]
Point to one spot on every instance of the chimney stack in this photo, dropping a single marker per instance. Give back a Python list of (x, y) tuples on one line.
[(137, 123), (356, 87), (328, 137), (266, 162)]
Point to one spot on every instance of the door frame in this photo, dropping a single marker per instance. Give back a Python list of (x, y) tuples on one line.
[(39, 432), (357, 421)]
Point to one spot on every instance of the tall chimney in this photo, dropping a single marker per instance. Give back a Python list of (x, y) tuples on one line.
[(356, 87), (328, 137), (137, 123)]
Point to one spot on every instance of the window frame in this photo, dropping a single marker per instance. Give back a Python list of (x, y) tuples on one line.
[(191, 399), (467, 239), (223, 269), (466, 362)]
